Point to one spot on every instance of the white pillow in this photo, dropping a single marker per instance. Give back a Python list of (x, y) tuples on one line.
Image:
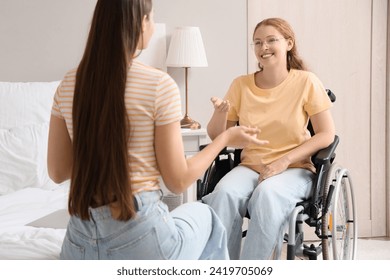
[(25, 103), (23, 158)]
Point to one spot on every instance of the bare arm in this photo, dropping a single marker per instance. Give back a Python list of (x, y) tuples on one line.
[(59, 155), (324, 135), (178, 172), (324, 130), (218, 122)]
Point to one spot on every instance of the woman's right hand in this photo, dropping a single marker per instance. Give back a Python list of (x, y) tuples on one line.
[(220, 105), (240, 136)]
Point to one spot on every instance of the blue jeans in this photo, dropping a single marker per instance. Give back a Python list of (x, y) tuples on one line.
[(269, 205), (191, 231)]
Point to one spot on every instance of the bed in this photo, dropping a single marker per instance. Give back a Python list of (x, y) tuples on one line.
[(26, 191), (18, 240), (27, 195)]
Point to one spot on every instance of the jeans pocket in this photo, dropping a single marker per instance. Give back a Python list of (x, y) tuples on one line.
[(146, 247), (71, 251)]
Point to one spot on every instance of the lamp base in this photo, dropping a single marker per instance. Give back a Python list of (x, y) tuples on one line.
[(187, 122)]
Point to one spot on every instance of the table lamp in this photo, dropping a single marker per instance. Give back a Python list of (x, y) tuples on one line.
[(186, 50)]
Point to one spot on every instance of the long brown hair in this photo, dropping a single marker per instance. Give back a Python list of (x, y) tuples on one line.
[(100, 172), (294, 61)]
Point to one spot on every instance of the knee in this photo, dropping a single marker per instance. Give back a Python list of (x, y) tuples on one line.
[(218, 197), (264, 194), (224, 195), (227, 202)]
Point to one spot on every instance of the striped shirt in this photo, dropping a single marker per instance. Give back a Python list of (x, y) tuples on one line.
[(152, 99)]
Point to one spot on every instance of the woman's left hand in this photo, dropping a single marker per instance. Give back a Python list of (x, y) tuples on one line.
[(220, 105), (274, 168)]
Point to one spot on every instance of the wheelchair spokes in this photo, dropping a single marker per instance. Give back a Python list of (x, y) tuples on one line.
[(339, 223)]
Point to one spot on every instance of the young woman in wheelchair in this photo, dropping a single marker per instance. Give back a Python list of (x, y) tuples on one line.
[(280, 99)]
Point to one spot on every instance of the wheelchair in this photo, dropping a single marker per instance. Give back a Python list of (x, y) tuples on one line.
[(330, 210)]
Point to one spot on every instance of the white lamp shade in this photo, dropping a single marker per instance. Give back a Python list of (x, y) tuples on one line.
[(186, 48)]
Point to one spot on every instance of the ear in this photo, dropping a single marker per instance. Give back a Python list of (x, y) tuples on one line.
[(145, 21), (290, 44)]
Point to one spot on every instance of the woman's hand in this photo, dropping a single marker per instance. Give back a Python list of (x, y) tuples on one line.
[(218, 122), (274, 168), (220, 105), (241, 136)]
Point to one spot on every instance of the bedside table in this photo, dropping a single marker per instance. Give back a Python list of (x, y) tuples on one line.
[(192, 139)]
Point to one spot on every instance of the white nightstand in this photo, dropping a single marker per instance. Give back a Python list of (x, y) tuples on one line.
[(192, 139)]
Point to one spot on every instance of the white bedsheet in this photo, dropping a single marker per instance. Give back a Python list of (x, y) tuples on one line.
[(18, 241)]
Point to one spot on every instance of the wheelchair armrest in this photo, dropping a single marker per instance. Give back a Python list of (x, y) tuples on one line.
[(327, 154)]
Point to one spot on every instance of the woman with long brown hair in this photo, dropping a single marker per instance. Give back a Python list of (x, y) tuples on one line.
[(114, 131)]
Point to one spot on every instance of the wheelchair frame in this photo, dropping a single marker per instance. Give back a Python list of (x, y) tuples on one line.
[(330, 209)]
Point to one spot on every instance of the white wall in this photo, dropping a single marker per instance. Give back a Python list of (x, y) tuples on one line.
[(223, 27), (42, 39)]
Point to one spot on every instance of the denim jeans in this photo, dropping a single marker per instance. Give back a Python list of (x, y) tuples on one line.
[(269, 205), (191, 231)]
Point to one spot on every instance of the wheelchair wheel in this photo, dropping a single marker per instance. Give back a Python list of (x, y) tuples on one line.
[(339, 224)]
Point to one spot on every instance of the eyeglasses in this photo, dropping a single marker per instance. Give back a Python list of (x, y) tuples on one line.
[(257, 44)]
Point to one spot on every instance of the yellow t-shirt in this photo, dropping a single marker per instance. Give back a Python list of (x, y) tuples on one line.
[(282, 113), (152, 99)]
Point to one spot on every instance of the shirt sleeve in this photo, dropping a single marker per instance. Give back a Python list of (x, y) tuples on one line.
[(56, 109), (168, 103), (317, 97), (234, 97)]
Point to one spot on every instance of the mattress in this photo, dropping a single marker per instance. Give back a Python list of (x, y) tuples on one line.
[(20, 241)]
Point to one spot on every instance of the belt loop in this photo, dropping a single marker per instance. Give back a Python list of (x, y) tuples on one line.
[(91, 215), (161, 194), (150, 198), (137, 202)]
